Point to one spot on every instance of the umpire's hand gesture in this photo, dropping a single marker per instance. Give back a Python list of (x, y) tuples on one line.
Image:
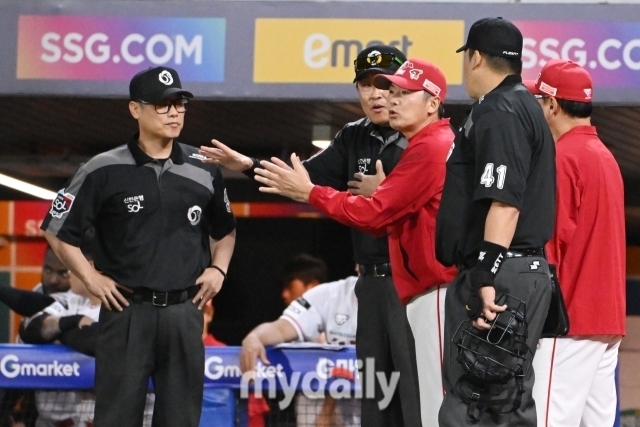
[(210, 282), (106, 290), (221, 154)]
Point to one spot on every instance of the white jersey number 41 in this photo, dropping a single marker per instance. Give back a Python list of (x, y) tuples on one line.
[(487, 178)]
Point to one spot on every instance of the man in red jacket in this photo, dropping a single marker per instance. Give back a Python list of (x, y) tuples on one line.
[(405, 204), (575, 382)]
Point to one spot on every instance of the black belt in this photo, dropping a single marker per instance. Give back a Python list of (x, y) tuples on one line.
[(470, 262), (376, 270), (512, 253), (160, 299)]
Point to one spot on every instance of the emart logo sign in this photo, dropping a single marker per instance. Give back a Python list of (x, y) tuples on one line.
[(323, 50)]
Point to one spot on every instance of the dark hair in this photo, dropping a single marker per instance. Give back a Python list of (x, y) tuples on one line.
[(575, 109), (305, 267), (500, 64)]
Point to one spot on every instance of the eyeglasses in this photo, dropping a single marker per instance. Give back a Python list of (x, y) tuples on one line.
[(380, 60), (163, 107), (61, 273)]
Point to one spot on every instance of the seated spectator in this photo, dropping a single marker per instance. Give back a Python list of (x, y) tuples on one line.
[(55, 276), (18, 406), (329, 309), (300, 274)]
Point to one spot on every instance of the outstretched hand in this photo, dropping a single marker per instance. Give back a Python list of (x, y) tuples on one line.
[(280, 178), (225, 156)]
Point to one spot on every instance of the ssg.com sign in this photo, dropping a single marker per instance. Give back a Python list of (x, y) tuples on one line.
[(107, 48)]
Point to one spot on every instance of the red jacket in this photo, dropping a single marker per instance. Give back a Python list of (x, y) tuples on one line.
[(405, 207), (589, 244)]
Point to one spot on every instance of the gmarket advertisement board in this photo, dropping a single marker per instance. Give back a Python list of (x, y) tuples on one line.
[(291, 50)]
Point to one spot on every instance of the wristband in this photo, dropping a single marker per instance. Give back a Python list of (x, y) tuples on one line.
[(66, 323), (489, 260), (483, 274), (220, 270)]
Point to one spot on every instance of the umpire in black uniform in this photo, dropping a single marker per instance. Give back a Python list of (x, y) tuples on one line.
[(497, 212), (350, 163), (165, 235)]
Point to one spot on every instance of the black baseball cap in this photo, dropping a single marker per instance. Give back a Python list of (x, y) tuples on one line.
[(156, 84), (378, 58), (494, 36)]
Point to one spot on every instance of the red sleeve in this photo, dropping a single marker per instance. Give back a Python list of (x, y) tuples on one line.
[(416, 179), (568, 199)]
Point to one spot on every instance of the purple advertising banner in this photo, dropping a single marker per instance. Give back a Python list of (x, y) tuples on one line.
[(610, 51), (279, 50)]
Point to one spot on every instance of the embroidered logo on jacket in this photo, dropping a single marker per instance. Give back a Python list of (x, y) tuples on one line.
[(61, 204)]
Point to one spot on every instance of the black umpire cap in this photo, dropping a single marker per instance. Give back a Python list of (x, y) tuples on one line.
[(379, 58), (156, 84), (494, 36)]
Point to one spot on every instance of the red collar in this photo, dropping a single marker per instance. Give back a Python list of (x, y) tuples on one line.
[(430, 128), (579, 130)]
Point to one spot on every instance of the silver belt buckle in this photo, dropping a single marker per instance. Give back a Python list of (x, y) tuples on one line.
[(375, 271), (158, 301)]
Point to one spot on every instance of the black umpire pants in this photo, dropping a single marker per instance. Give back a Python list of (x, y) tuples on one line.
[(141, 342), (525, 280), (384, 337)]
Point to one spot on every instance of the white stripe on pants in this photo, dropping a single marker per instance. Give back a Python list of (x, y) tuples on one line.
[(575, 381), (426, 317)]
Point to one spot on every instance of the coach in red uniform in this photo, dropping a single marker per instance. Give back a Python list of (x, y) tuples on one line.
[(405, 204), (575, 374)]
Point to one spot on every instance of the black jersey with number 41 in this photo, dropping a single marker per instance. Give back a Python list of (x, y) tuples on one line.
[(503, 151)]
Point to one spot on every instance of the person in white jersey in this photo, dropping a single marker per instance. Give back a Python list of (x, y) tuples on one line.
[(329, 308)]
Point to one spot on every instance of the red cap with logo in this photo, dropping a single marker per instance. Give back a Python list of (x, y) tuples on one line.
[(416, 74), (563, 80)]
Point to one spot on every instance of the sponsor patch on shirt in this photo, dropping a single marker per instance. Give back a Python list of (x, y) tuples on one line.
[(198, 156), (61, 204), (303, 302)]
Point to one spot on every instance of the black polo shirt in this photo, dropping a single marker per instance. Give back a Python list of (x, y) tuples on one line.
[(152, 218), (356, 148), (503, 151)]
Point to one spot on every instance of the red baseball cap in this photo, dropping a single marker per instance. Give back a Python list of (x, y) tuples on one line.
[(416, 74), (562, 80)]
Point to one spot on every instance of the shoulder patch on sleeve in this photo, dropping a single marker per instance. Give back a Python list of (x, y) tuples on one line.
[(61, 205), (303, 302)]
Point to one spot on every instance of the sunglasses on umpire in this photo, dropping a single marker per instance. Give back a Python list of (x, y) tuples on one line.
[(382, 60)]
